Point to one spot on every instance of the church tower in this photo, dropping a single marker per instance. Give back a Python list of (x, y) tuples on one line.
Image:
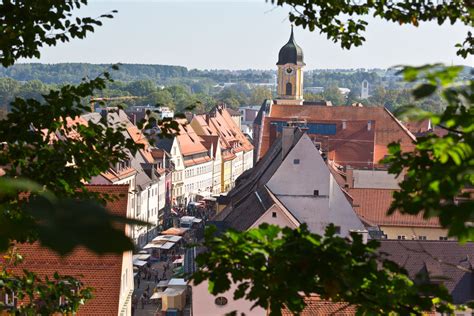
[(290, 73)]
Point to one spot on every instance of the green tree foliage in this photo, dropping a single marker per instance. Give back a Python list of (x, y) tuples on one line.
[(27, 25), (333, 94), (345, 21), (275, 267), (161, 98), (259, 94), (313, 97), (440, 168)]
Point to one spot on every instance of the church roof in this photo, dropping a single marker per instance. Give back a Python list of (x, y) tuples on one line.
[(291, 53)]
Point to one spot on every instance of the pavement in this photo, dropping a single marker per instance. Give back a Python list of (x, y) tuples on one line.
[(151, 308)]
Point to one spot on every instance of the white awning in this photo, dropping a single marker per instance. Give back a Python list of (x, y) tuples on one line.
[(151, 245), (179, 260), (163, 283), (167, 246), (139, 263), (141, 257), (156, 295), (167, 238), (177, 282)]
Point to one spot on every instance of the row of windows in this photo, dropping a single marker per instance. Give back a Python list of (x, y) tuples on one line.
[(403, 237), (177, 176), (197, 171), (200, 185)]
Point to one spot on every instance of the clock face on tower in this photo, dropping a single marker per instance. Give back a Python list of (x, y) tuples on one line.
[(289, 70)]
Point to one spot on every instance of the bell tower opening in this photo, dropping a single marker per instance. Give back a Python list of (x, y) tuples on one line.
[(289, 88)]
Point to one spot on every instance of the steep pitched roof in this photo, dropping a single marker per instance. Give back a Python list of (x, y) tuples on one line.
[(103, 272), (249, 199), (371, 205), (190, 143), (261, 173), (448, 261), (211, 141), (221, 123)]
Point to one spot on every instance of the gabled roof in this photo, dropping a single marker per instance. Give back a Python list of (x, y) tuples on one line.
[(103, 273), (247, 211), (211, 142), (261, 173), (138, 137), (190, 143), (250, 198), (448, 261), (371, 205), (221, 123)]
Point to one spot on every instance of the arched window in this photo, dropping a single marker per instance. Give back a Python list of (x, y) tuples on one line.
[(289, 88)]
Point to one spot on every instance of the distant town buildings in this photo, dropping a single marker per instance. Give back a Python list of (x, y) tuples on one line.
[(247, 117), (145, 175)]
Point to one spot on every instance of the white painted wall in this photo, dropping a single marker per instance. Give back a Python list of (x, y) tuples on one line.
[(203, 303), (198, 178), (376, 179), (294, 185), (275, 216), (126, 286)]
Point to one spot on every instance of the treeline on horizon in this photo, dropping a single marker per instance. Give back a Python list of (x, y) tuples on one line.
[(177, 87)]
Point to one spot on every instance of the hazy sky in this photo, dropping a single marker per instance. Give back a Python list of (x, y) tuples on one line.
[(241, 35)]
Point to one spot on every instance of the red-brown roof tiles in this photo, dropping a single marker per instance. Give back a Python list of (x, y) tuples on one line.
[(139, 138), (371, 205), (190, 143), (103, 272), (387, 128), (316, 306)]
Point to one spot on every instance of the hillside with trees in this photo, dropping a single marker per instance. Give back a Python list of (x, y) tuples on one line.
[(178, 88)]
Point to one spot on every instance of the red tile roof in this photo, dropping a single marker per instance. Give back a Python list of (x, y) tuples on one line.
[(190, 143), (316, 306), (371, 205), (139, 138), (222, 124), (103, 272), (386, 127), (112, 176)]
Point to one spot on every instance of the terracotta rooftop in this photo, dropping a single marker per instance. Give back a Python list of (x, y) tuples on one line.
[(371, 205), (386, 128), (139, 138), (103, 272), (113, 176), (190, 143), (316, 306)]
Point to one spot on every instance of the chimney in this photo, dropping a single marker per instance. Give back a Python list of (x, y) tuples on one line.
[(349, 177), (287, 137), (273, 133)]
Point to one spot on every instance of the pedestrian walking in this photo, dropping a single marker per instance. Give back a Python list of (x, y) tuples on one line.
[(143, 300), (157, 279)]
